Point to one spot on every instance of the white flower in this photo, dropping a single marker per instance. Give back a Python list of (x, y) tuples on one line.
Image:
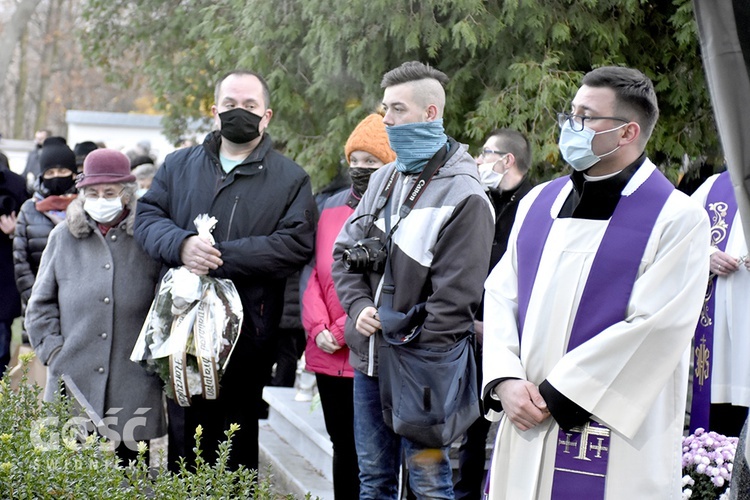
[(724, 472), (687, 493), (687, 480), (195, 385)]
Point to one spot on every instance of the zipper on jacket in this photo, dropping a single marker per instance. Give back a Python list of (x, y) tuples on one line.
[(371, 346), (371, 356), (231, 217)]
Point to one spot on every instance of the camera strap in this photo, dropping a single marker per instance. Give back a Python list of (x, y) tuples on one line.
[(433, 165)]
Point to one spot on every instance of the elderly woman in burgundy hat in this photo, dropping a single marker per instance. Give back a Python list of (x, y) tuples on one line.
[(91, 296)]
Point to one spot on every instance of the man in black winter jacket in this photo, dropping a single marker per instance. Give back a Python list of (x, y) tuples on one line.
[(266, 222)]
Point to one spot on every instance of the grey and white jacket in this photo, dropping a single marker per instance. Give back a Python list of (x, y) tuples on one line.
[(439, 255)]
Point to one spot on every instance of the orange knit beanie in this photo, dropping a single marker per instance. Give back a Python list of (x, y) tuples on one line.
[(370, 136)]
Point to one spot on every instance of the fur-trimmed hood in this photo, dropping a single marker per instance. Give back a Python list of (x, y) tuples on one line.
[(81, 225)]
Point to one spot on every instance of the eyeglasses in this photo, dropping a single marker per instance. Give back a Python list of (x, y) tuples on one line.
[(486, 152), (109, 194), (577, 122)]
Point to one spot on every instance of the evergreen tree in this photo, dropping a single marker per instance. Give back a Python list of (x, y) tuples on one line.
[(512, 63)]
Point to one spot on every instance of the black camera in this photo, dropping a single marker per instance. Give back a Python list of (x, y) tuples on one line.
[(368, 254)]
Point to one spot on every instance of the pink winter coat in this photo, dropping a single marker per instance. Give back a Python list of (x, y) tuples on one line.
[(321, 308)]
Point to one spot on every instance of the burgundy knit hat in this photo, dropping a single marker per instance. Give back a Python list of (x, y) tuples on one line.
[(105, 166)]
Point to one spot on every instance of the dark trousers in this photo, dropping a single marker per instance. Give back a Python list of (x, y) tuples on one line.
[(337, 400), (727, 419), (5, 336), (472, 453), (290, 349), (240, 397), (471, 461)]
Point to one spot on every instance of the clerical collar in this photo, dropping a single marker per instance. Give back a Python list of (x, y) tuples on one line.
[(592, 178), (597, 199)]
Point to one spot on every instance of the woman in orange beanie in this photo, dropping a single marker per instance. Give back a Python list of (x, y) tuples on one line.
[(323, 317)]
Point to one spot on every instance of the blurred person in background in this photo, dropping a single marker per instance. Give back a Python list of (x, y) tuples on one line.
[(144, 175), (82, 149), (12, 195), (31, 171)]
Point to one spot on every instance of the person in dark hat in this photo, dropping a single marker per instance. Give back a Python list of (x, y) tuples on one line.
[(81, 150), (137, 161), (53, 192), (92, 294)]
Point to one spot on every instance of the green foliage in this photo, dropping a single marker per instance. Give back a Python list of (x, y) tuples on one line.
[(512, 63), (44, 454)]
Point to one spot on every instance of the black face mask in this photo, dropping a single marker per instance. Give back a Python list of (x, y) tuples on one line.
[(360, 178), (58, 185), (239, 125)]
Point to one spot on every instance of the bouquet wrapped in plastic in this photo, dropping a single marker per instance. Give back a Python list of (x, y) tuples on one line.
[(191, 329)]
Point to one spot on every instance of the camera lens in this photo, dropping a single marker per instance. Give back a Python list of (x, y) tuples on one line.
[(355, 259)]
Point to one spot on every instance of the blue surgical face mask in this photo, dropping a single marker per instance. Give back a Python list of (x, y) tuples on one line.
[(140, 192), (575, 147)]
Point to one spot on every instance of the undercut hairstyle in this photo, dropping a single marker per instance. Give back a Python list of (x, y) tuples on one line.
[(412, 71), (634, 94), (512, 141), (244, 72), (428, 83)]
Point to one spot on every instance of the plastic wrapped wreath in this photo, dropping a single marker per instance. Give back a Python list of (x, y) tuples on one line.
[(191, 329), (707, 459)]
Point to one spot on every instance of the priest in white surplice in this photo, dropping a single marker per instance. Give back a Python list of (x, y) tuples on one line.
[(725, 318), (590, 313)]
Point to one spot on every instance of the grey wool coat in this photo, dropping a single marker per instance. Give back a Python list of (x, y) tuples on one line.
[(87, 306)]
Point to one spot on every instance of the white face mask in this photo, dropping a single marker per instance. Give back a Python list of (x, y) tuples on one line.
[(103, 210), (575, 147), (140, 192), (489, 178)]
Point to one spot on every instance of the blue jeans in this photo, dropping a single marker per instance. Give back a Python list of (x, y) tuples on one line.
[(379, 452)]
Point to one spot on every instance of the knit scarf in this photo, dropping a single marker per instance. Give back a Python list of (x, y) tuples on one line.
[(416, 143)]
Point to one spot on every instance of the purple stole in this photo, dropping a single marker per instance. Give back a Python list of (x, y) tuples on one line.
[(721, 206), (582, 452)]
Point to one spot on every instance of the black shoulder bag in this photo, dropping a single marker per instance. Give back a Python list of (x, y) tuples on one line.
[(428, 393)]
